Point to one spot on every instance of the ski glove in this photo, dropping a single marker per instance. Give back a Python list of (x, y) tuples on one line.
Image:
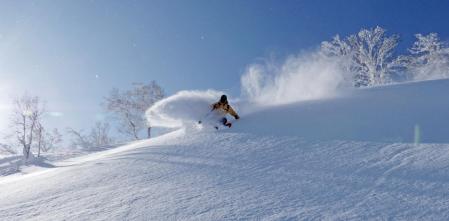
[(237, 117)]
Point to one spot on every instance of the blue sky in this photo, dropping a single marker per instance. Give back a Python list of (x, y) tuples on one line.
[(71, 53)]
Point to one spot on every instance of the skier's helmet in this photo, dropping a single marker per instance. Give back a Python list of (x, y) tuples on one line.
[(224, 99)]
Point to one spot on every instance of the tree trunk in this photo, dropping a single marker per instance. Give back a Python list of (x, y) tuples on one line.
[(40, 137), (136, 136), (25, 148), (39, 147), (25, 152)]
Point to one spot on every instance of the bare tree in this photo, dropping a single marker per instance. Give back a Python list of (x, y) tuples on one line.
[(79, 139), (98, 136), (27, 114), (129, 107), (40, 135), (47, 140)]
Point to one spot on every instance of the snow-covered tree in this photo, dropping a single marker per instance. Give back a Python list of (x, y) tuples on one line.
[(429, 58), (27, 115), (373, 56), (369, 55), (129, 107)]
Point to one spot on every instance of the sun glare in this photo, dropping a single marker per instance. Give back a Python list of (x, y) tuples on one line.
[(4, 106)]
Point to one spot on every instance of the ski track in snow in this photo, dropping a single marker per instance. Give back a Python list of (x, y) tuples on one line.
[(230, 176)]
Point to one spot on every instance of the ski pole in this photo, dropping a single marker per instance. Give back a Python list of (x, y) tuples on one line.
[(201, 119)]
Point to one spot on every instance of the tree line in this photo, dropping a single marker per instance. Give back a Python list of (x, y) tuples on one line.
[(370, 57), (125, 107)]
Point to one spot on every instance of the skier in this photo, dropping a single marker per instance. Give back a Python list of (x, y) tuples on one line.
[(221, 108)]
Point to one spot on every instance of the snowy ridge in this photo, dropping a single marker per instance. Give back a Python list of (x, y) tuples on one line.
[(261, 169)]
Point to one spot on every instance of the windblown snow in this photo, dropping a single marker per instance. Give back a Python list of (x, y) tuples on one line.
[(378, 153)]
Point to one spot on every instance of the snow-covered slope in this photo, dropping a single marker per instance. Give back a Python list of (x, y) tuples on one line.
[(282, 163), (389, 113)]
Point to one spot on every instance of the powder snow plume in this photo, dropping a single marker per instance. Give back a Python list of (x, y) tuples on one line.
[(182, 109), (304, 77)]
